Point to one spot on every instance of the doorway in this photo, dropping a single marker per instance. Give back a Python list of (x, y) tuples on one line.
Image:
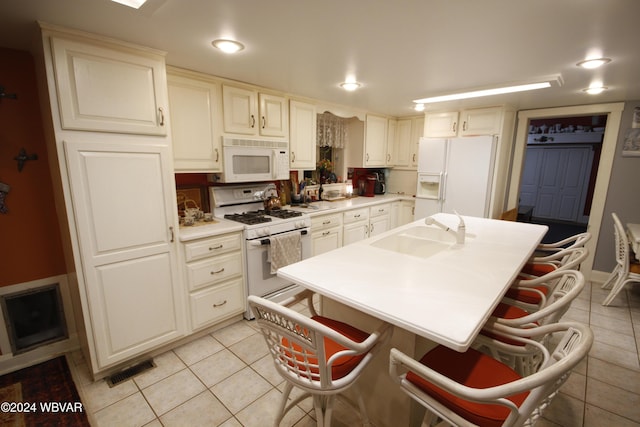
[(613, 113), (559, 172)]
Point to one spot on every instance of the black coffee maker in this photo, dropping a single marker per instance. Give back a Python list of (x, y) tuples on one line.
[(380, 187)]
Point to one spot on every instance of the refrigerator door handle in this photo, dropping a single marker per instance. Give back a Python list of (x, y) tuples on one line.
[(443, 186)]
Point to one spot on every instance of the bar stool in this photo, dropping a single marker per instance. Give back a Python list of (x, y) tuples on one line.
[(624, 271), (473, 389), (321, 356), (523, 358)]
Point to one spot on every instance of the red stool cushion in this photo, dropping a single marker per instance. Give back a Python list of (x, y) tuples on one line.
[(525, 295), (343, 365), (506, 311), (473, 369), (538, 269)]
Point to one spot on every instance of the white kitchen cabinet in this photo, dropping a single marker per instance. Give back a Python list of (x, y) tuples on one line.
[(214, 276), (196, 137), (124, 211), (417, 132), (302, 131), (326, 233), (477, 121), (379, 219), (356, 225), (402, 143), (108, 88), (375, 141), (392, 130), (402, 212), (248, 112)]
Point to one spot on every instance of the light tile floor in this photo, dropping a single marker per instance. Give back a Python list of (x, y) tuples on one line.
[(227, 379)]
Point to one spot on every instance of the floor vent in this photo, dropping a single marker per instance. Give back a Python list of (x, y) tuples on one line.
[(124, 375)]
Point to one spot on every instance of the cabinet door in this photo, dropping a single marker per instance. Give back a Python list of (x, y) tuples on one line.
[(302, 143), (355, 232), (195, 139), (441, 125), (392, 129), (274, 116), (124, 206), (240, 110), (417, 131), (379, 224), (326, 240), (481, 121), (403, 143), (407, 209), (103, 89), (375, 141)]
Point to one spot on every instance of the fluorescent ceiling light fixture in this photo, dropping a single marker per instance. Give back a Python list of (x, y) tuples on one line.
[(593, 63), (595, 90), (227, 46), (136, 4), (350, 86), (555, 81)]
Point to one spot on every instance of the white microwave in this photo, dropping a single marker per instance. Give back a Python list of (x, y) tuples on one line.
[(248, 160)]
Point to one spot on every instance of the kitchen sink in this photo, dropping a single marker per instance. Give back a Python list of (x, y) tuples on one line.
[(417, 241)]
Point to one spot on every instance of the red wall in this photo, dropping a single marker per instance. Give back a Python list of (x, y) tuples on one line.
[(30, 244)]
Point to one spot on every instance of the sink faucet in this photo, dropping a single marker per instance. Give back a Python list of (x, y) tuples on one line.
[(459, 233)]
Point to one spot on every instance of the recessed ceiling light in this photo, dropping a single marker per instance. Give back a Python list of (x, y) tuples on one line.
[(419, 107), (227, 46), (594, 90), (350, 86), (136, 4), (593, 62), (553, 81)]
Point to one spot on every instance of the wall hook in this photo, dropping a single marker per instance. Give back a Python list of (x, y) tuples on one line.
[(7, 95), (22, 157)]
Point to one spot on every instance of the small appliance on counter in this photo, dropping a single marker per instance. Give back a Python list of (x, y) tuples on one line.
[(380, 187), (367, 185)]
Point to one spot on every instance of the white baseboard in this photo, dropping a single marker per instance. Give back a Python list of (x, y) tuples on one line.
[(599, 277)]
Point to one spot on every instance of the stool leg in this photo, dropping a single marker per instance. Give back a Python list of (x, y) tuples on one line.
[(283, 404)]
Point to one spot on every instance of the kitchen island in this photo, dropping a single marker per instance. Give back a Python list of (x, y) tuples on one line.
[(441, 293)]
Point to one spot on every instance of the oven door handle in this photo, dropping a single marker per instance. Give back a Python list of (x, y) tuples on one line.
[(263, 242)]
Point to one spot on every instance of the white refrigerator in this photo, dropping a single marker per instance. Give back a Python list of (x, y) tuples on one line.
[(455, 175)]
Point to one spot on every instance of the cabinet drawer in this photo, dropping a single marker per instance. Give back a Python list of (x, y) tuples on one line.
[(217, 303), (326, 221), (356, 215), (211, 247), (380, 210), (214, 270)]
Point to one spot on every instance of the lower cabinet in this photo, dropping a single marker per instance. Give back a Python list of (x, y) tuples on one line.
[(214, 278), (326, 233), (402, 212), (379, 219), (356, 225)]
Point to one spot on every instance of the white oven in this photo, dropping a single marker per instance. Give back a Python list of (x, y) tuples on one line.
[(260, 280), (251, 160)]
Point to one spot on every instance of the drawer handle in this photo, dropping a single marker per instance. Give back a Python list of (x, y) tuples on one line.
[(217, 272), (326, 222), (220, 305), (357, 216), (326, 233), (216, 247)]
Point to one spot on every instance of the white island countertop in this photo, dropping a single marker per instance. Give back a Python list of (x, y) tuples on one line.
[(446, 297)]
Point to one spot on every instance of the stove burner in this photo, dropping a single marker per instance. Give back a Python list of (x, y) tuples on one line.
[(282, 213), (254, 217)]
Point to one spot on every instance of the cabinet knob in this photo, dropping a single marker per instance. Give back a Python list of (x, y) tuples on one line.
[(161, 116), (455, 127), (217, 272), (172, 235), (215, 247), (217, 155), (220, 304), (253, 121), (293, 157), (464, 125), (264, 122)]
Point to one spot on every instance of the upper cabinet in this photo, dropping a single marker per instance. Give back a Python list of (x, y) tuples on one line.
[(195, 131), (407, 135), (302, 142), (100, 88), (375, 141), (478, 121), (247, 112)]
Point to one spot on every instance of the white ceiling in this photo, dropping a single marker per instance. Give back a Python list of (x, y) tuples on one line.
[(399, 50)]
